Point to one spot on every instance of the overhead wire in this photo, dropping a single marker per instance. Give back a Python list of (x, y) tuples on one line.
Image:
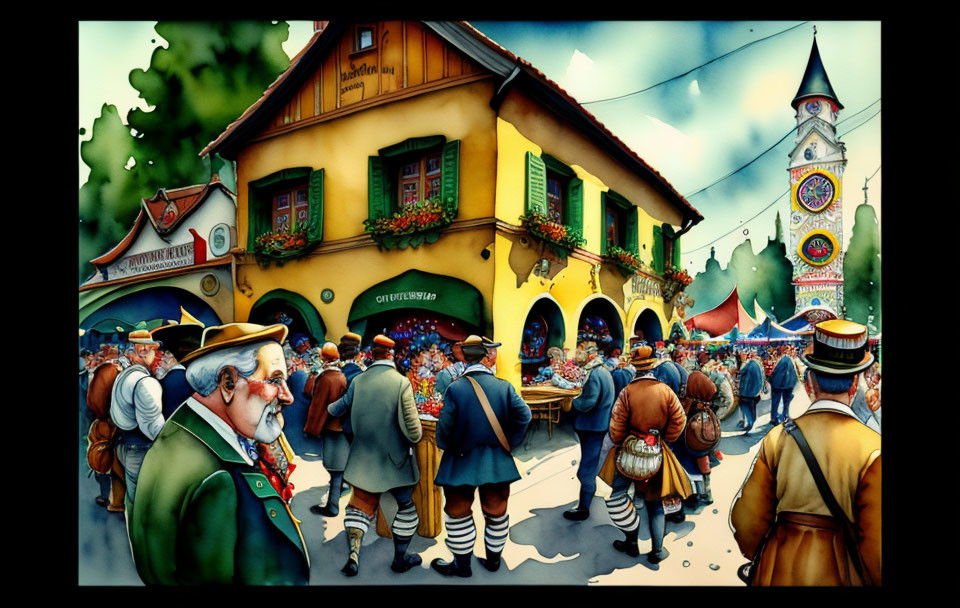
[(736, 50)]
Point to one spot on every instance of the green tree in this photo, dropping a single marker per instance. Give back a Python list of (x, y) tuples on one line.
[(710, 287), (209, 74), (110, 198), (861, 268)]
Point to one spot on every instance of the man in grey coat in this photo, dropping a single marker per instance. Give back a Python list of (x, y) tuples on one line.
[(385, 426), (474, 457)]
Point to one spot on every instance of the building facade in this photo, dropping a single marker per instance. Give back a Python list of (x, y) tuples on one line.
[(416, 178), (176, 254)]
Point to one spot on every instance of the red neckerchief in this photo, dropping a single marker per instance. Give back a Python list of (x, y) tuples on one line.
[(277, 478)]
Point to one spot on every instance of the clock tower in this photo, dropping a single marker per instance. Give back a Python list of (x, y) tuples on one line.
[(816, 205)]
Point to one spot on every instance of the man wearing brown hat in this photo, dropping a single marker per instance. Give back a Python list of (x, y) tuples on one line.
[(809, 513), (329, 386), (649, 410), (385, 425), (205, 512), (136, 408), (178, 339)]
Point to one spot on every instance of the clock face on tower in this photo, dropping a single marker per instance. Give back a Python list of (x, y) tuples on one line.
[(816, 192), (818, 248), (813, 107)]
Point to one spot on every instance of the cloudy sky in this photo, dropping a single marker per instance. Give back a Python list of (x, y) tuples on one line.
[(694, 130)]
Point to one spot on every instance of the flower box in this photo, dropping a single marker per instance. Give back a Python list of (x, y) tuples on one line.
[(411, 227), (675, 280), (282, 245), (561, 239), (626, 261)]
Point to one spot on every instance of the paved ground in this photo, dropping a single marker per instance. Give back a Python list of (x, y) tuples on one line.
[(543, 548)]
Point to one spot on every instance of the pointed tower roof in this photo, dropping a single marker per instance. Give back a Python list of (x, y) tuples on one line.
[(815, 81)]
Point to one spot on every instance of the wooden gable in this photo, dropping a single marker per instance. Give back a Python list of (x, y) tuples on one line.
[(405, 57)]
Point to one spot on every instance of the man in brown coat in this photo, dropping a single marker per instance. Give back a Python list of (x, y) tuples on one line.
[(779, 518), (646, 407), (329, 386)]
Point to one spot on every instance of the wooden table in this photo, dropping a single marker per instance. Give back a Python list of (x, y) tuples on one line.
[(546, 403), (426, 496)]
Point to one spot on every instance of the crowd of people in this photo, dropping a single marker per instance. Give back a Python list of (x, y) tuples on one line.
[(186, 439)]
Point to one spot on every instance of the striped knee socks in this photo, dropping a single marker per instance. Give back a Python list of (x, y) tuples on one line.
[(461, 533), (622, 513), (495, 532)]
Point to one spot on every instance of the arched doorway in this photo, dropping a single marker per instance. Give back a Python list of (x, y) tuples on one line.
[(647, 327), (290, 309), (600, 322), (542, 329)]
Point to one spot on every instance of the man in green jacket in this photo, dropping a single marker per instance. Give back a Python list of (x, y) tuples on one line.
[(204, 512), (383, 415)]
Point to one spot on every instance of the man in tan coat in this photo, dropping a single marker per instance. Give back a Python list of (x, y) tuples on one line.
[(779, 518)]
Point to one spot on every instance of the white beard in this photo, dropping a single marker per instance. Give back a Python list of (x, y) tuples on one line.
[(269, 427)]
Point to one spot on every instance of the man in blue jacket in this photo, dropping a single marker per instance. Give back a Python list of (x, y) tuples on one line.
[(782, 382), (476, 456), (593, 408), (750, 385)]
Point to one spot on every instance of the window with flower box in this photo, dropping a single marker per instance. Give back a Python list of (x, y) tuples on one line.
[(287, 202), (666, 248), (554, 192), (417, 174)]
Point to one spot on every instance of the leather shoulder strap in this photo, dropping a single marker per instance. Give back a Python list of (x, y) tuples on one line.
[(485, 404), (790, 426)]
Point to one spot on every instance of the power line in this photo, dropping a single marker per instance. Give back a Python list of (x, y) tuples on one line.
[(696, 68), (742, 223), (761, 212), (780, 141), (874, 115)]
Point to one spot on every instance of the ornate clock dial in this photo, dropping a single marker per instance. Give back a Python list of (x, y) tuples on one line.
[(818, 248), (813, 107), (809, 154), (816, 192)]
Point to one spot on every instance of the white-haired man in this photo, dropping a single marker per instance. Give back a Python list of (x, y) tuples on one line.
[(205, 514)]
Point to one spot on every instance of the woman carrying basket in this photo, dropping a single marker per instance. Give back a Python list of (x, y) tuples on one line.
[(645, 416)]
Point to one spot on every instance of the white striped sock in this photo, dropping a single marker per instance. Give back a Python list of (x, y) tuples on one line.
[(496, 531), (355, 518), (622, 513), (406, 521), (461, 533)]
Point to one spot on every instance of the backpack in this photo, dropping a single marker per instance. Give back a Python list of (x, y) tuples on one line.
[(103, 433), (703, 428)]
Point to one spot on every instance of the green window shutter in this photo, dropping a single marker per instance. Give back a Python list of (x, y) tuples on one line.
[(414, 144), (603, 223), (676, 252), (378, 203), (657, 250), (632, 243), (257, 213), (536, 191), (315, 196), (450, 176), (574, 211)]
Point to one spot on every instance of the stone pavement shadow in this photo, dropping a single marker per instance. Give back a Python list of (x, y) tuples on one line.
[(738, 445), (538, 443)]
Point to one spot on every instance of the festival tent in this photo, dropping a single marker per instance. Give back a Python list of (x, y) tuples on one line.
[(722, 318)]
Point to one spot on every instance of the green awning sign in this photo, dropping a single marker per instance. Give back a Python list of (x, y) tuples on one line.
[(417, 289)]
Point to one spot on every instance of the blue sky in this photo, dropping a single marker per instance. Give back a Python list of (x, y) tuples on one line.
[(693, 130)]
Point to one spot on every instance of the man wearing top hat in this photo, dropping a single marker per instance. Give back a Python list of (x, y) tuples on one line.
[(474, 457), (593, 407), (205, 513), (385, 423), (780, 512), (136, 407)]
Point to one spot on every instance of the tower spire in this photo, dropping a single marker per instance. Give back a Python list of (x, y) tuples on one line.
[(815, 82), (865, 180)]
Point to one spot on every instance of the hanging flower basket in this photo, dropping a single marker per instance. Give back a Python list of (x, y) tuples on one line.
[(675, 280), (282, 245), (626, 261), (559, 238), (411, 227)]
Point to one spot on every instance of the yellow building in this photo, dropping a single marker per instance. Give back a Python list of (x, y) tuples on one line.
[(373, 118)]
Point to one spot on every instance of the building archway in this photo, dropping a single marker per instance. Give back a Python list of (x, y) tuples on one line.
[(290, 309), (600, 321), (647, 326), (544, 327)]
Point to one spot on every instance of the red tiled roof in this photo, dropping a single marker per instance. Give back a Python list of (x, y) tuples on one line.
[(185, 199), (529, 68)]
